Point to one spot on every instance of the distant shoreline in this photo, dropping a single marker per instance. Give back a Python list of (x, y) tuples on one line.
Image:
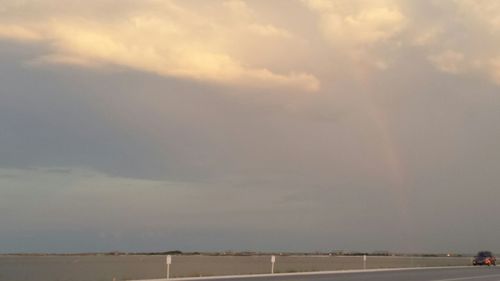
[(230, 253)]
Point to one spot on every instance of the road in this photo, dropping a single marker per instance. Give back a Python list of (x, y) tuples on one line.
[(428, 274), (455, 274)]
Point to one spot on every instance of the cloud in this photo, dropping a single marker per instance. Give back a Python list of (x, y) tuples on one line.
[(495, 69), (64, 59), (162, 166), (269, 31), (358, 22), (377, 33), (161, 37), (486, 12), (427, 36), (91, 203), (358, 28), (244, 44), (16, 32), (449, 61), (451, 38)]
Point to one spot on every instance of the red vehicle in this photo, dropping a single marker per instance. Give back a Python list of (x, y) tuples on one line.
[(484, 258)]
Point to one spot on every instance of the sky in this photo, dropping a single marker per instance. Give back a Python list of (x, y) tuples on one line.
[(286, 125)]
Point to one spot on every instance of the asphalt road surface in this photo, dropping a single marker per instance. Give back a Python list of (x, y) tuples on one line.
[(441, 274)]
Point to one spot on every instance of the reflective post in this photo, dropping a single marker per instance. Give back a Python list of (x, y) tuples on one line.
[(273, 260), (169, 261)]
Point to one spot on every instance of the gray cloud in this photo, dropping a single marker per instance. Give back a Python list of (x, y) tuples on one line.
[(401, 155)]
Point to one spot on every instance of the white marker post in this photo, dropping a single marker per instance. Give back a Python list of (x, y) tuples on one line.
[(364, 261), (273, 260), (169, 261)]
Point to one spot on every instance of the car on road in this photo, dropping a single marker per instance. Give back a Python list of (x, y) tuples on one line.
[(484, 258)]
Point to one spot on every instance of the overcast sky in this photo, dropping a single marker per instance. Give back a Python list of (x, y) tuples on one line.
[(249, 125)]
